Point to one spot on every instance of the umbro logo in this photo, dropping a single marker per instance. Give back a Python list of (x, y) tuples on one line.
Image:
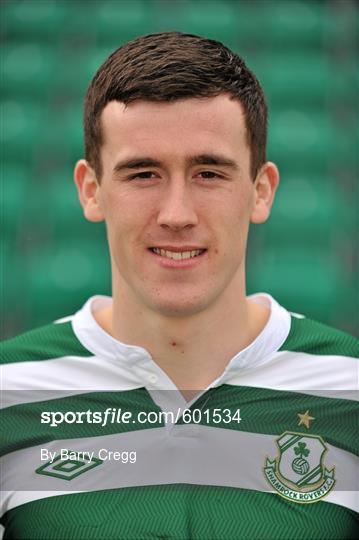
[(68, 465)]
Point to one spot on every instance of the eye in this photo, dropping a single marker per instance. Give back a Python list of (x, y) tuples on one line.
[(145, 175), (209, 175)]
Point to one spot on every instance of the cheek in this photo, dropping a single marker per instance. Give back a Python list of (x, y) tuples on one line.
[(126, 201), (237, 212), (235, 225), (118, 223), (127, 225), (116, 210)]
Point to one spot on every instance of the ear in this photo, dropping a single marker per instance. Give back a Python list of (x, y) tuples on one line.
[(88, 190), (265, 186)]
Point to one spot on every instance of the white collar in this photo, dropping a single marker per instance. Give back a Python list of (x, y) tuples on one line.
[(101, 344)]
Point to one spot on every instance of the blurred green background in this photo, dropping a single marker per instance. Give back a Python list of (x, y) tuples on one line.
[(305, 55)]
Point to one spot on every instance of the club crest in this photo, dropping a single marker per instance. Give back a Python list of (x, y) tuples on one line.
[(298, 473)]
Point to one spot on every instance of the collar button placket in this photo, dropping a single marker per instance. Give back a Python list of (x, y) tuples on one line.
[(152, 378)]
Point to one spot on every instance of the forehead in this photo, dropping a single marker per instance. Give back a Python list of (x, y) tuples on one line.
[(187, 126)]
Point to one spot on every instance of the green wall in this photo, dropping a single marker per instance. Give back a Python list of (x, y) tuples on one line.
[(304, 54)]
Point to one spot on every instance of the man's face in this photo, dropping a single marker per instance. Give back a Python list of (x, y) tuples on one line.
[(177, 197)]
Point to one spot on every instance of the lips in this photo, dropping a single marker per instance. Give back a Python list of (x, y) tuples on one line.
[(177, 254)]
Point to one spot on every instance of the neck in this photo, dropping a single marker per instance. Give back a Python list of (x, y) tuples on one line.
[(193, 351)]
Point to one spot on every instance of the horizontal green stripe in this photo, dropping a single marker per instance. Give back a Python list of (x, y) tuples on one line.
[(262, 411), (178, 512), (51, 341), (272, 412), (316, 338)]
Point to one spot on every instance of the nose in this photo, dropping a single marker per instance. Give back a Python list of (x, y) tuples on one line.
[(177, 207)]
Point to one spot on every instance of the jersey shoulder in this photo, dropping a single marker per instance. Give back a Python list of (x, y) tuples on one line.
[(44, 343), (312, 337)]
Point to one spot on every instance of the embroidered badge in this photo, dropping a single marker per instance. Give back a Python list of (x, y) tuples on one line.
[(298, 472)]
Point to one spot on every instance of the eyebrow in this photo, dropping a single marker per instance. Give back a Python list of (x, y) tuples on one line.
[(201, 159), (137, 163), (213, 159)]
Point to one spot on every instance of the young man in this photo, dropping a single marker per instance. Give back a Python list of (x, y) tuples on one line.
[(180, 408)]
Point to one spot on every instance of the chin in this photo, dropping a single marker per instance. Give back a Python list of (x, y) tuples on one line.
[(178, 307)]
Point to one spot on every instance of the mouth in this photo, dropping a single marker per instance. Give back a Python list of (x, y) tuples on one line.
[(179, 254)]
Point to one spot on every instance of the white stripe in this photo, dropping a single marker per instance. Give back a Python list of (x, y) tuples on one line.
[(64, 319), (326, 376), (29, 382), (183, 454)]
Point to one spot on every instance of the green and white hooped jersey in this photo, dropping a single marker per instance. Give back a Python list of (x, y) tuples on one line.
[(98, 442)]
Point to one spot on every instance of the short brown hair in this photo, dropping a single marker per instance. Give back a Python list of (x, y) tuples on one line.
[(171, 66)]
